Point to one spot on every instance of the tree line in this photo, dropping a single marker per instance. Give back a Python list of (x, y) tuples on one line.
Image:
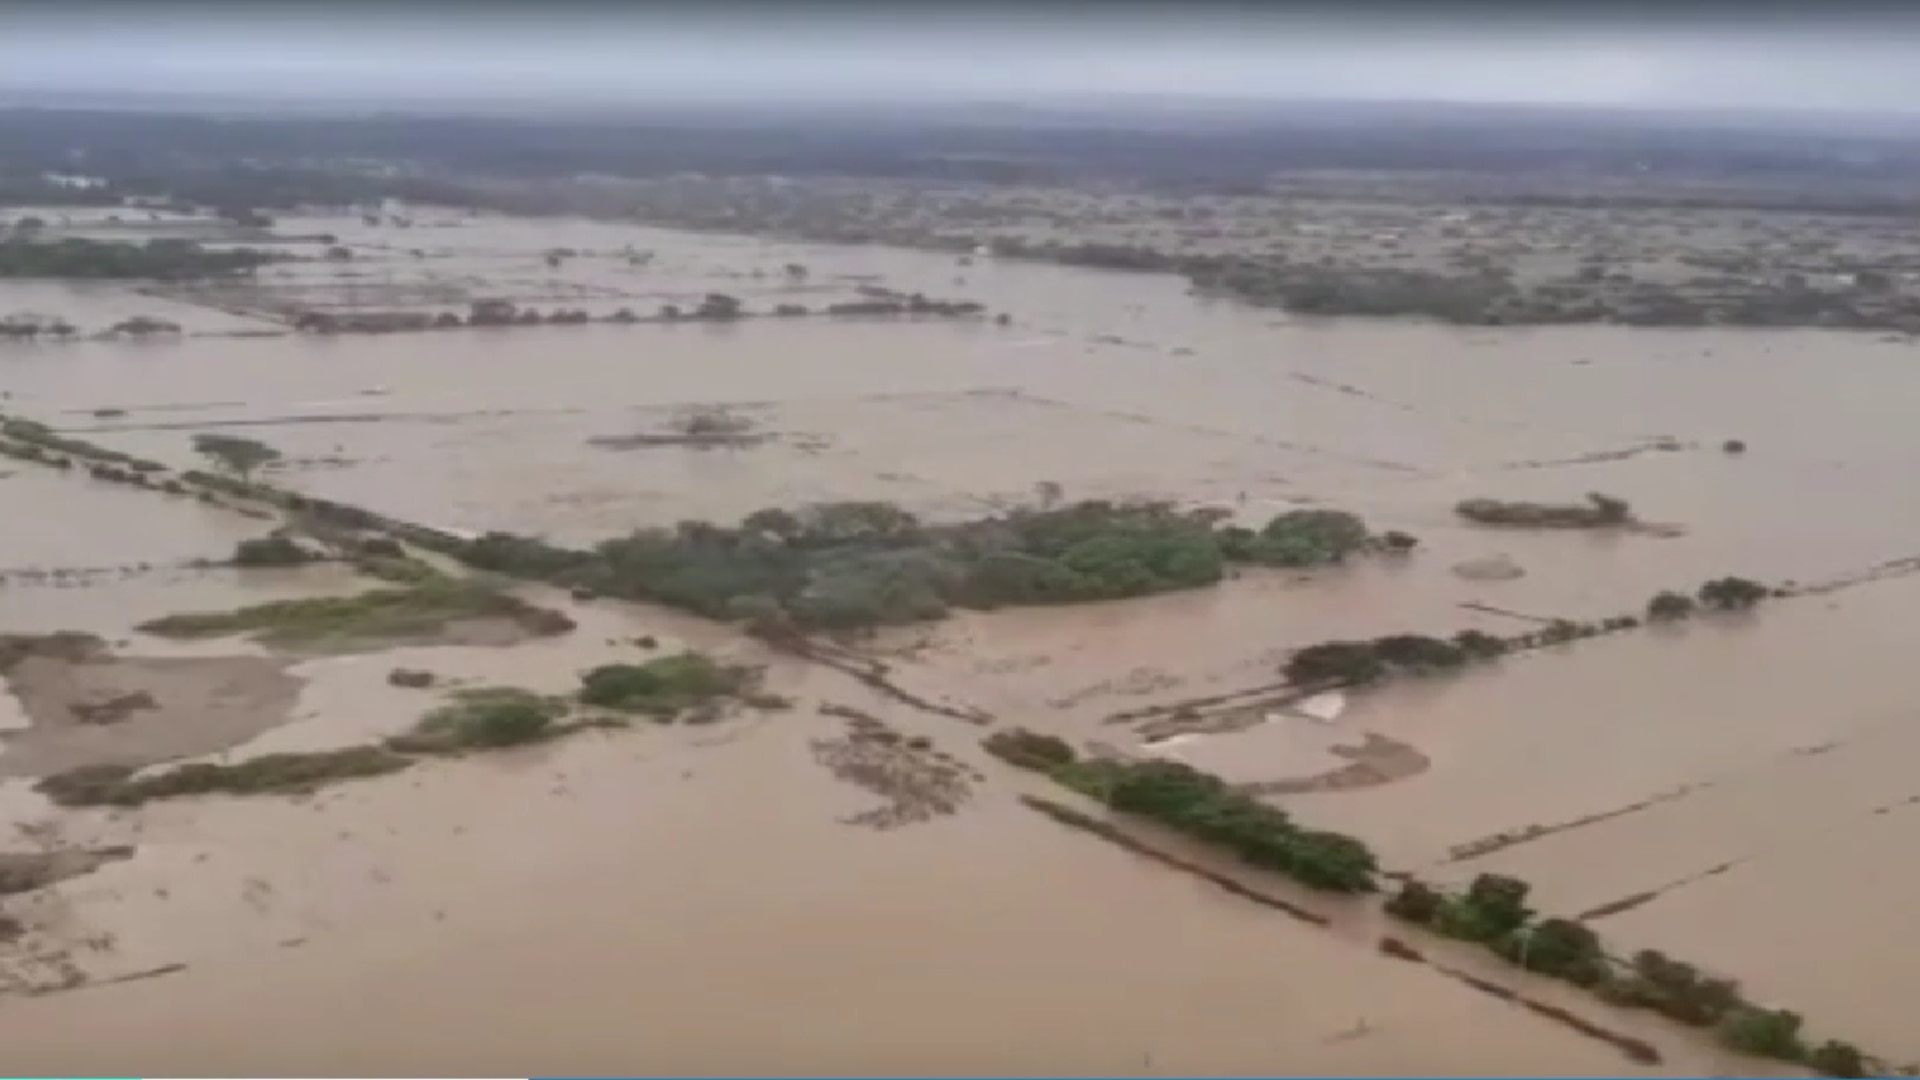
[(1493, 912)]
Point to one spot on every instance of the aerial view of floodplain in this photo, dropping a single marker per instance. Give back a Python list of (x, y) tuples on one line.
[(1171, 541)]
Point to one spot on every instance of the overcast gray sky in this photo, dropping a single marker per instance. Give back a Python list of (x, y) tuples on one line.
[(604, 53)]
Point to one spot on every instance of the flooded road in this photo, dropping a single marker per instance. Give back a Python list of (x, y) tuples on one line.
[(691, 900)]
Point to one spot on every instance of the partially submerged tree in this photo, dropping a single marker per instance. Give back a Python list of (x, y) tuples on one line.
[(719, 306), (1732, 594), (239, 456), (1668, 606)]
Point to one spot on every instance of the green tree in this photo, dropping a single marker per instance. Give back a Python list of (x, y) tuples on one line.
[(1559, 947), (1309, 538), (1732, 594), (239, 456), (1500, 901), (1416, 902), (1334, 862), (1836, 1058)]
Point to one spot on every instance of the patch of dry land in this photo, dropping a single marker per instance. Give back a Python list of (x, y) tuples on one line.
[(548, 722)]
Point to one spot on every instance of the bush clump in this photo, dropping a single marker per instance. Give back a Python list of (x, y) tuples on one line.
[(1772, 1033), (270, 551), (1836, 1058), (1732, 594), (1358, 663), (1314, 538), (664, 687), (483, 718), (1340, 663), (1669, 606)]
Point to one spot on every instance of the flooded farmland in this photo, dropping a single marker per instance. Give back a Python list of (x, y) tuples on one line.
[(641, 896)]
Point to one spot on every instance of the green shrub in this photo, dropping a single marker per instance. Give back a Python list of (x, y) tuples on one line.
[(1773, 1033), (1669, 606), (483, 718), (1309, 538), (1732, 594), (1561, 948), (1029, 750), (1836, 1058), (1415, 902), (663, 687)]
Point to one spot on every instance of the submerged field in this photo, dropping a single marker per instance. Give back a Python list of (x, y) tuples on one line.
[(1726, 765)]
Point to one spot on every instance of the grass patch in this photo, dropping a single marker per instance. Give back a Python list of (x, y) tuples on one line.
[(117, 785), (399, 613), (271, 551)]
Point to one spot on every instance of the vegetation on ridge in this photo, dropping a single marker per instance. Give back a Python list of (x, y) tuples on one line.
[(1202, 806)]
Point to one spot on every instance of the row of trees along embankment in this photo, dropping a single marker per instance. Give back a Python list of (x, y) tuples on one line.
[(1492, 912), (1346, 664)]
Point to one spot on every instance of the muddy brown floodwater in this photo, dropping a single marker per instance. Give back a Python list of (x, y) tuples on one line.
[(708, 900)]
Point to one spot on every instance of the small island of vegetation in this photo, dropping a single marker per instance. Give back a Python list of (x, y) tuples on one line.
[(865, 564)]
